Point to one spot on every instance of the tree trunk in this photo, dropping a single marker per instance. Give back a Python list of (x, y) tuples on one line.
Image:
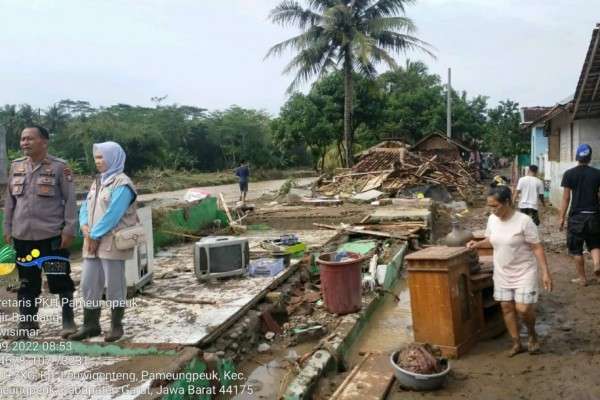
[(341, 153), (348, 93)]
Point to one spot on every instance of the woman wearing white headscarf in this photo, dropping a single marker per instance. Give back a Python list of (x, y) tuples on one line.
[(110, 207)]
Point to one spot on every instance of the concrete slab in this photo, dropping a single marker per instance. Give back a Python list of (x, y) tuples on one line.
[(386, 214), (165, 312), (367, 196)]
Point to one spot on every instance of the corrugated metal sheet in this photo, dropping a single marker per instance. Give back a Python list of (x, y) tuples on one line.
[(587, 95)]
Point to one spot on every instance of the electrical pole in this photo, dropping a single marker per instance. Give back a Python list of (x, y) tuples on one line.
[(449, 105)]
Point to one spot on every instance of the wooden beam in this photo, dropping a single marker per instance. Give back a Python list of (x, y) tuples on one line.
[(586, 73), (364, 173), (366, 232), (224, 203)]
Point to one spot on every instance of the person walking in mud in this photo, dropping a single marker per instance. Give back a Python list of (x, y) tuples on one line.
[(243, 173), (530, 189), (518, 254), (581, 185)]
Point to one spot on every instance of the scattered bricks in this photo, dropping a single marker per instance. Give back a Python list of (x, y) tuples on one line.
[(269, 324)]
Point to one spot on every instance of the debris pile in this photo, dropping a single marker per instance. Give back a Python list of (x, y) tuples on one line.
[(394, 169), (419, 359)]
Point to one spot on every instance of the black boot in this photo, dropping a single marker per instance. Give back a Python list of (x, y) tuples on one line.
[(68, 321), (28, 325), (116, 325), (91, 325)]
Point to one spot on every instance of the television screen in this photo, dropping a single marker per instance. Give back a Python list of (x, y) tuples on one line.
[(226, 258)]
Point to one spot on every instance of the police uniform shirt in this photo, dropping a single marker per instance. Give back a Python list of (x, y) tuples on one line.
[(40, 200)]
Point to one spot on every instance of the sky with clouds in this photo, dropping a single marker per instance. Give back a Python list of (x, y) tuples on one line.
[(209, 53)]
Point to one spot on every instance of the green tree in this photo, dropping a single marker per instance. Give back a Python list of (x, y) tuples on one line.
[(355, 35), (503, 134), (55, 118), (242, 134), (302, 122), (11, 122)]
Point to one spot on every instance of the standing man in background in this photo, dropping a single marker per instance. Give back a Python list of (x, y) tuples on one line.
[(531, 189), (243, 173), (581, 185), (39, 219)]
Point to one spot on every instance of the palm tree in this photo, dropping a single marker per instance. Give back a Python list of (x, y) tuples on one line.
[(353, 35), (56, 118)]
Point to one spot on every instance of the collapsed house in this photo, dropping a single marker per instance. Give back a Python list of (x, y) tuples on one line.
[(398, 170)]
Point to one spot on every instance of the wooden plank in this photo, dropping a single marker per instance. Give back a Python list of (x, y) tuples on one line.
[(349, 378), (371, 380), (363, 173), (364, 232), (224, 203)]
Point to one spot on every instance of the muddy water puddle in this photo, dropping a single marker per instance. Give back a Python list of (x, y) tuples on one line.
[(390, 326), (268, 374)]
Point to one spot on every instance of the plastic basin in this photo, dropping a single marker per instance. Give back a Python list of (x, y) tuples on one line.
[(420, 382)]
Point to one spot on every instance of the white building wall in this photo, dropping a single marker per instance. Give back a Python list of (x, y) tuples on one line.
[(557, 169), (584, 131), (588, 131)]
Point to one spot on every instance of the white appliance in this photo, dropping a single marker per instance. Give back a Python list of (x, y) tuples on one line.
[(220, 257), (139, 268)]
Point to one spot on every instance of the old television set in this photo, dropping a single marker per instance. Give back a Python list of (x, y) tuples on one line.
[(139, 269), (221, 257)]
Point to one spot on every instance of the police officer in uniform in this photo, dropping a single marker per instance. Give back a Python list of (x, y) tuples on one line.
[(39, 219)]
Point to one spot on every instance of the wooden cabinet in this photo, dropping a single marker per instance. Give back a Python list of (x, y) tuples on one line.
[(448, 302)]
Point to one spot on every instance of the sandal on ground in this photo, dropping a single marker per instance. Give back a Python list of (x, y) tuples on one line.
[(533, 347), (514, 351), (579, 281)]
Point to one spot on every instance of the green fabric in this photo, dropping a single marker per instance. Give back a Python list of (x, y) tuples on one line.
[(359, 246), (226, 370), (184, 220)]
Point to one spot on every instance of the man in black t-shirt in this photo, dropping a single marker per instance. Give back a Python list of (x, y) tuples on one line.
[(581, 189)]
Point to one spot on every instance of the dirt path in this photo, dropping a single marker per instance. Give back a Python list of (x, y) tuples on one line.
[(569, 326), (231, 192)]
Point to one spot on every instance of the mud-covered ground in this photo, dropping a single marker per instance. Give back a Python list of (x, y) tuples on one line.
[(569, 326)]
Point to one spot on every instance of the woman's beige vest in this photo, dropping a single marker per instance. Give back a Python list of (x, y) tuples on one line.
[(97, 205)]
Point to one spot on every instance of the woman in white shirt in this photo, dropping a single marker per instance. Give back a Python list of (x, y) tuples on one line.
[(518, 253)]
